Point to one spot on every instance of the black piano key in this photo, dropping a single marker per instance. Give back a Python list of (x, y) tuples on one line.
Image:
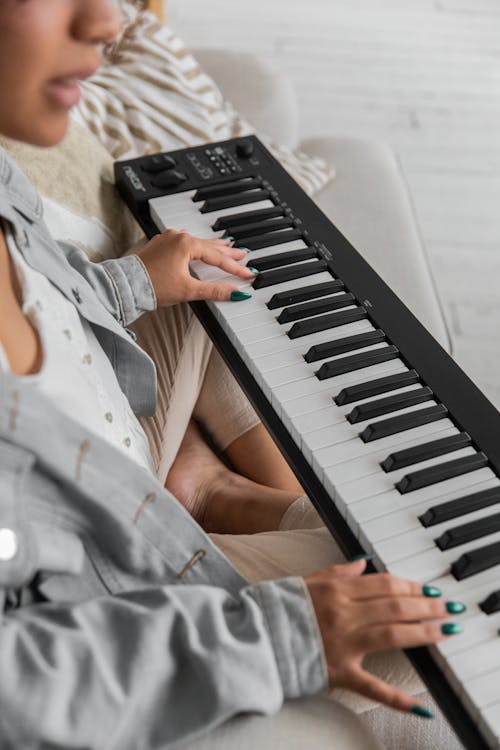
[(235, 220), (324, 322), (467, 532), (283, 259), (302, 294), (434, 474), (341, 346), (230, 201), (403, 422), (356, 362), (249, 230), (476, 561), (390, 404), (226, 188), (289, 273), (270, 239), (460, 507), (375, 387), (423, 452), (491, 604), (307, 309)]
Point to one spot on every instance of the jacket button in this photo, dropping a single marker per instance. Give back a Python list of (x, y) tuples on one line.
[(76, 295), (8, 544)]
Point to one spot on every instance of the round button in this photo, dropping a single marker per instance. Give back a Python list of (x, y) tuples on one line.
[(245, 149), (8, 544)]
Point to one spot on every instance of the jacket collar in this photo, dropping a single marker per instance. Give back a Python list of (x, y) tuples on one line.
[(17, 193)]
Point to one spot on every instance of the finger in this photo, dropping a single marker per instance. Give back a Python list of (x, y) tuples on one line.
[(377, 690), (399, 609), (215, 258), (209, 290), (376, 585), (391, 636)]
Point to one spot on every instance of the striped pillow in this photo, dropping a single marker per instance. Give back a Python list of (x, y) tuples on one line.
[(151, 95)]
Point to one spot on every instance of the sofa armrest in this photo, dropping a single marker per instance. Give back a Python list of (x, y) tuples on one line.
[(262, 94)]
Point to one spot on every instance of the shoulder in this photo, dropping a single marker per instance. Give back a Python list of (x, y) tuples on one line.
[(17, 193)]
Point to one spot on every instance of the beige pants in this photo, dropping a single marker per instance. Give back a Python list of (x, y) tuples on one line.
[(194, 381)]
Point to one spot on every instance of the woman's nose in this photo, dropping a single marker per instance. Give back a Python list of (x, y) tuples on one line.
[(98, 21)]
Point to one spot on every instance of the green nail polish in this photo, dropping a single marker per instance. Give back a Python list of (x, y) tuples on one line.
[(451, 628), (430, 591), (455, 608), (239, 296), (421, 711), (253, 270), (362, 557)]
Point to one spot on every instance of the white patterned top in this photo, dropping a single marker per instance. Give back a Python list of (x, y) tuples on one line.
[(76, 374)]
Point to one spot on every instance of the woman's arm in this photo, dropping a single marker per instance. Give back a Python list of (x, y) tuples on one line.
[(152, 667), (159, 274)]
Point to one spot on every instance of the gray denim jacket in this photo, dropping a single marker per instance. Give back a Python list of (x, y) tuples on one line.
[(123, 626)]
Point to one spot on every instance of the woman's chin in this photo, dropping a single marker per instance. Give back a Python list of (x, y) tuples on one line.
[(45, 134)]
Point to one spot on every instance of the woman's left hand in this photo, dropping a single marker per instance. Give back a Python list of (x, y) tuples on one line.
[(167, 257)]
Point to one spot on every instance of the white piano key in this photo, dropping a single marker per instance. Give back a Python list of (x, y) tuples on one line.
[(281, 247), (380, 482), (418, 540), (408, 518), (477, 660), (388, 502), (322, 438), (489, 718), (282, 343), (310, 385), (483, 690), (303, 369), (478, 629), (368, 462), (433, 562), (354, 448), (483, 583)]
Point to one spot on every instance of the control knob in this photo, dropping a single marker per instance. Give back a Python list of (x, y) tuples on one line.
[(245, 149)]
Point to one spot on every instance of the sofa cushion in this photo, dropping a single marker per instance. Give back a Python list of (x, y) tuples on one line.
[(151, 94)]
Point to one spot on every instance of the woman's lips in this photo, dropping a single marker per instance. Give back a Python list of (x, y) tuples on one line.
[(65, 92)]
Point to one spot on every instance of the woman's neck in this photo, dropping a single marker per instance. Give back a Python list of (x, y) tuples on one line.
[(19, 339)]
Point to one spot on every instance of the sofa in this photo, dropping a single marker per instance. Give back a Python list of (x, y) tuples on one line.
[(368, 199)]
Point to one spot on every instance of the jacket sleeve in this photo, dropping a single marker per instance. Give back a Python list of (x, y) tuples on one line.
[(122, 284), (150, 668)]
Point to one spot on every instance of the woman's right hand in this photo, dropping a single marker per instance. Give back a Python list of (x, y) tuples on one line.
[(358, 615)]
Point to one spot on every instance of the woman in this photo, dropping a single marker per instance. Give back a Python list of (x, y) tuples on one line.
[(110, 590)]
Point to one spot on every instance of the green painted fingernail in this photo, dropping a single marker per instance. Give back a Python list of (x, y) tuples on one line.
[(421, 711), (239, 296), (431, 591), (362, 557), (455, 608), (451, 628), (253, 270)]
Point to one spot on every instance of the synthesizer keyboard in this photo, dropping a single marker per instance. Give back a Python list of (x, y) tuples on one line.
[(397, 448)]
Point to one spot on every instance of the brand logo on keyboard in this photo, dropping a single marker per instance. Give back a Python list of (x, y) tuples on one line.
[(134, 178)]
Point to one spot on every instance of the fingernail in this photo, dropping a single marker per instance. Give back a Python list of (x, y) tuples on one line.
[(431, 591), (455, 608), (362, 557), (230, 239), (253, 270), (421, 711), (239, 296), (451, 628)]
